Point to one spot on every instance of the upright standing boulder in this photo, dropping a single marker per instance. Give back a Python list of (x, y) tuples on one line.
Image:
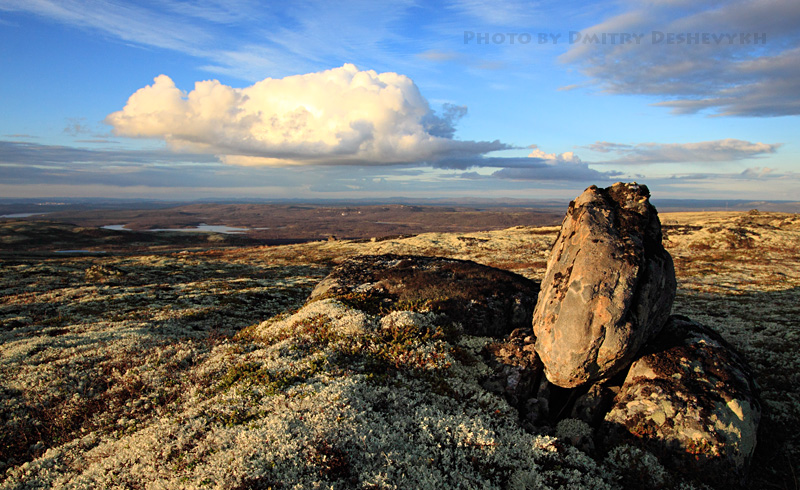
[(608, 288)]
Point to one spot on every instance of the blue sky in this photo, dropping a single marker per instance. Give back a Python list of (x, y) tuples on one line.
[(317, 99)]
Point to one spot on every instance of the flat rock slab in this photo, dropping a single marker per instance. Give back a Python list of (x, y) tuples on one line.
[(484, 300), (608, 288), (692, 401)]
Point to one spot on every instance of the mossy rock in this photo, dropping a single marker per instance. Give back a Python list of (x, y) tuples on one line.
[(486, 301), (692, 401)]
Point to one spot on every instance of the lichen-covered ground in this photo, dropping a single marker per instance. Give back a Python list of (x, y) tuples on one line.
[(127, 371)]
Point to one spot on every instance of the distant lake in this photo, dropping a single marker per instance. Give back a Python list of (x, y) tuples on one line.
[(202, 227), (79, 251), (20, 215)]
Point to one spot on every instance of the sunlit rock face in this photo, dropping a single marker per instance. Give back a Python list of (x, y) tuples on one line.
[(483, 300), (608, 288), (690, 400)]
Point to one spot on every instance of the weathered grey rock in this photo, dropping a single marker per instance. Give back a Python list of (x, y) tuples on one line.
[(608, 288), (690, 400), (484, 300)]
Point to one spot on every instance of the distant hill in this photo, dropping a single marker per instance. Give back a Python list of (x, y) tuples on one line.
[(725, 205), (298, 222), (47, 205)]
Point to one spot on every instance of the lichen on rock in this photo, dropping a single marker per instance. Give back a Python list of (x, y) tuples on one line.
[(484, 300), (608, 288), (691, 400)]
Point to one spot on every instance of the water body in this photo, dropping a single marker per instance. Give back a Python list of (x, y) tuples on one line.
[(202, 227), (20, 215), (79, 251)]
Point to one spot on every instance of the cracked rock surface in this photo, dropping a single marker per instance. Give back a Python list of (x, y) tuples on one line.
[(608, 288)]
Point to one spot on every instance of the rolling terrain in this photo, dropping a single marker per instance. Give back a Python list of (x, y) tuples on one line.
[(278, 223), (131, 369)]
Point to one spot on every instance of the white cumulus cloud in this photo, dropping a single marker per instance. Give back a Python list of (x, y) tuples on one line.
[(566, 157), (539, 165), (338, 116)]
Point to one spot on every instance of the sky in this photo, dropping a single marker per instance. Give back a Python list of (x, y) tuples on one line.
[(319, 99)]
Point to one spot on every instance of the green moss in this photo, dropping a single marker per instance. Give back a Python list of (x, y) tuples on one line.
[(249, 374), (372, 302)]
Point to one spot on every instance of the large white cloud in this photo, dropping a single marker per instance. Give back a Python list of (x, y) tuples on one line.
[(337, 116)]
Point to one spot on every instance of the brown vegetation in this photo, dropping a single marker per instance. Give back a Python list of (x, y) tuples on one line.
[(97, 348)]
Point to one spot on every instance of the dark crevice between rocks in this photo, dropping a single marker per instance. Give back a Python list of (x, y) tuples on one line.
[(518, 376)]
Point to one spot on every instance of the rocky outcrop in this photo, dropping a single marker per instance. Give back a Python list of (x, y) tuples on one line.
[(604, 366), (690, 400), (608, 288), (623, 365), (484, 300)]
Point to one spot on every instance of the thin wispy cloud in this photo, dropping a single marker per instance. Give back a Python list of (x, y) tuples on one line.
[(306, 36), (77, 126), (726, 150), (123, 20), (34, 154), (29, 163), (499, 12), (573, 172), (537, 166), (738, 58), (90, 133), (20, 136), (782, 183), (216, 11), (245, 39), (442, 56)]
